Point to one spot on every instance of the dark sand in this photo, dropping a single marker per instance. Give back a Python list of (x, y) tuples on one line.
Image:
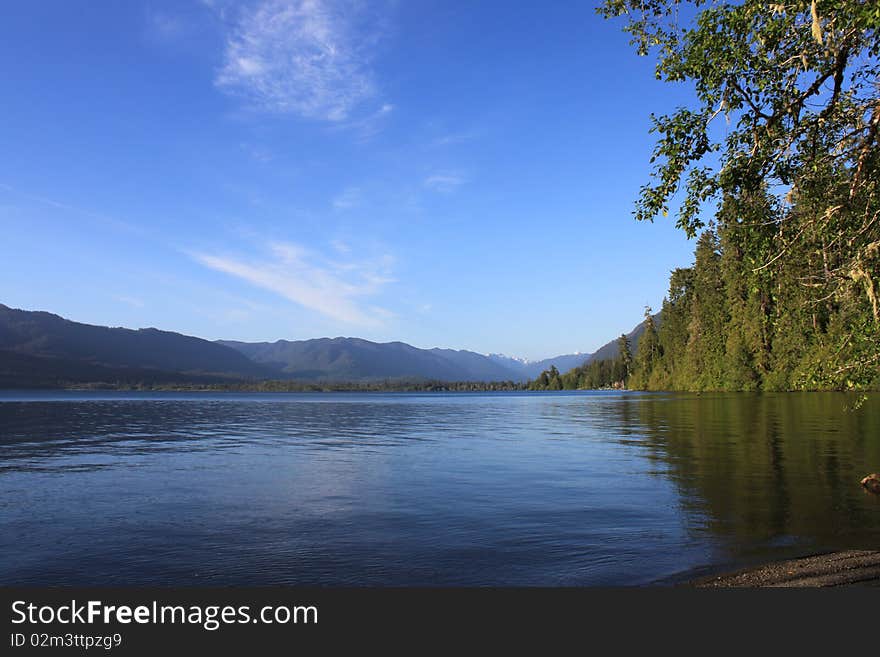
[(851, 567)]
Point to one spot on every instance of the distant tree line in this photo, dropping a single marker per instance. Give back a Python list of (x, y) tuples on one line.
[(725, 327), (387, 385), (728, 327), (592, 375)]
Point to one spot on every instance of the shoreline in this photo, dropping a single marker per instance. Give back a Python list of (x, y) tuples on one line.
[(829, 569)]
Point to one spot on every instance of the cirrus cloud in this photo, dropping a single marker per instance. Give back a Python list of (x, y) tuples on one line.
[(306, 57), (330, 287), (444, 181)]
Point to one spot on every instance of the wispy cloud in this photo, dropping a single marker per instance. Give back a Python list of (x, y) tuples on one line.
[(111, 222), (257, 153), (134, 302), (306, 57), (351, 197), (334, 289), (453, 138), (445, 181), (341, 247), (164, 26), (368, 126)]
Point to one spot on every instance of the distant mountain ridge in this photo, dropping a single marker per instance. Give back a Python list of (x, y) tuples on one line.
[(44, 335), (612, 349), (40, 348), (355, 359)]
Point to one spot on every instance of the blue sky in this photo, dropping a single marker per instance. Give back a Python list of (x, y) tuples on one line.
[(449, 174)]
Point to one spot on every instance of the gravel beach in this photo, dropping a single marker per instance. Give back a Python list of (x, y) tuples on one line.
[(846, 568)]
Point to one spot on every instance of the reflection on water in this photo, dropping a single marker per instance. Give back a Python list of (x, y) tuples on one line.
[(385, 489), (770, 469)]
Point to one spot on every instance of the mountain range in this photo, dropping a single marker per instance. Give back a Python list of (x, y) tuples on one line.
[(39, 349), (353, 359), (529, 369)]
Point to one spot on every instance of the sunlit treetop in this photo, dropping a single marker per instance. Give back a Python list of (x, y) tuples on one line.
[(796, 82)]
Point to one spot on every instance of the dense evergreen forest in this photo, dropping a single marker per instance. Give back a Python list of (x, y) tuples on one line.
[(784, 292), (592, 375)]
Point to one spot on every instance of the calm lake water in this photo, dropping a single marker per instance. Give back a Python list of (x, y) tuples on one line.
[(601, 488)]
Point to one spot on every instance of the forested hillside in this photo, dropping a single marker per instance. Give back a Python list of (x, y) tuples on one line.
[(784, 292)]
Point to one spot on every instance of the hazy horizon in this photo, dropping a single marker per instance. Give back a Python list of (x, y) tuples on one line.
[(318, 337)]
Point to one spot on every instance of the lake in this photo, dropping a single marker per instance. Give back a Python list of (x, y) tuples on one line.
[(550, 489)]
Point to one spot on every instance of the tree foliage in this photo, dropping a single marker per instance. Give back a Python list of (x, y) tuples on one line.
[(648, 354), (783, 137), (592, 375)]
